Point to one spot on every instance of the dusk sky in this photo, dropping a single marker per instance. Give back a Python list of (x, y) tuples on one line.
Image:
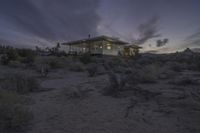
[(43, 22)]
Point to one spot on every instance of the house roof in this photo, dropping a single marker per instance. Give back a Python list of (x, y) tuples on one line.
[(99, 38)]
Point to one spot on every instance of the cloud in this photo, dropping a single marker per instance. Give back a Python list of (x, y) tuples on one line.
[(161, 43), (193, 39), (48, 19), (147, 31)]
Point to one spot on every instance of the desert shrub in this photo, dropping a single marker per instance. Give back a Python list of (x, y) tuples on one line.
[(116, 61), (27, 55), (92, 69), (13, 114), (54, 63), (76, 67), (76, 92), (20, 83), (43, 70), (4, 59), (16, 64), (184, 81), (85, 58), (115, 85), (145, 74), (12, 54), (175, 66), (148, 74)]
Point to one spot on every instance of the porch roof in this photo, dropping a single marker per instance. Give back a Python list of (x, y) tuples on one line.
[(100, 38)]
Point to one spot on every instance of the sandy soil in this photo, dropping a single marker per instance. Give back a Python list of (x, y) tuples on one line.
[(174, 111)]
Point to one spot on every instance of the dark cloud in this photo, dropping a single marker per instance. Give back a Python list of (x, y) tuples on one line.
[(49, 19), (193, 40), (161, 43), (147, 31)]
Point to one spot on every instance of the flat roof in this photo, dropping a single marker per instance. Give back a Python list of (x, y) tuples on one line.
[(99, 38)]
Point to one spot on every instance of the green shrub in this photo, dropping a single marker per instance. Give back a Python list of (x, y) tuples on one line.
[(14, 116)]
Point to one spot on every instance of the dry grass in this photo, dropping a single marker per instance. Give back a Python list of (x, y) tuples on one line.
[(20, 83), (14, 116)]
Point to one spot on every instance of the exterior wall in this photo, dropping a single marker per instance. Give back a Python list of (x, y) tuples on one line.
[(98, 47), (115, 49)]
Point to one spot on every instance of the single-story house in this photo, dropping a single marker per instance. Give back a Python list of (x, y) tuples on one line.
[(102, 45)]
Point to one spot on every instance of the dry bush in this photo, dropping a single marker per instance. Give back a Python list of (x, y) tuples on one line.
[(16, 64), (14, 116), (151, 73), (43, 69), (55, 63), (92, 69), (76, 67), (184, 81), (175, 66), (76, 92), (147, 74), (20, 83), (85, 58), (116, 85), (52, 62)]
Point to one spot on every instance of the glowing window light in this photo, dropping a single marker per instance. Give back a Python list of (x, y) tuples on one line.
[(109, 47)]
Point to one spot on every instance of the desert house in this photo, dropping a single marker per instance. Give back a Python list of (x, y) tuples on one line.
[(101, 45)]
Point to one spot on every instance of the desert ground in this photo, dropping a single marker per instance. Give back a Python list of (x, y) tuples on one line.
[(145, 94)]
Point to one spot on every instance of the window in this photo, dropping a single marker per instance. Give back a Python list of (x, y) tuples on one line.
[(109, 47)]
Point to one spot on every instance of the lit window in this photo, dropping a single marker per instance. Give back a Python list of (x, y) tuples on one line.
[(109, 47)]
